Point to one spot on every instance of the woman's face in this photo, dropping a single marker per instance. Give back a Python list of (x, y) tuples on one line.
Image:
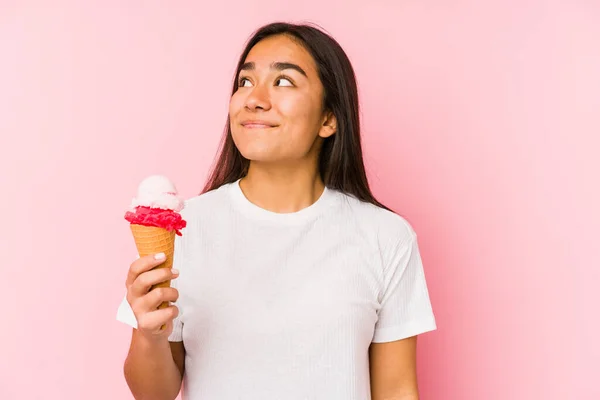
[(277, 115)]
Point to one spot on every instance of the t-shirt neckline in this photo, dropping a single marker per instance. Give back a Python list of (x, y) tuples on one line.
[(250, 209)]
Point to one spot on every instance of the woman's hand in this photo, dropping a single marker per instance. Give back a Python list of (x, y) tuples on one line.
[(153, 323)]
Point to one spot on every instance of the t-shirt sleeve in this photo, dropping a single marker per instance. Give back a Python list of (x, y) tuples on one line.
[(125, 313), (405, 307)]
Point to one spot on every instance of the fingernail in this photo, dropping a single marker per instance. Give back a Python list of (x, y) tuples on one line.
[(175, 272), (160, 256)]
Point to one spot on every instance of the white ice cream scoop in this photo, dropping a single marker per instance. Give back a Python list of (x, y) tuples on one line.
[(157, 191)]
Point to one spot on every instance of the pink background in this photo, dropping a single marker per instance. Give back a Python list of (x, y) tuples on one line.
[(481, 124)]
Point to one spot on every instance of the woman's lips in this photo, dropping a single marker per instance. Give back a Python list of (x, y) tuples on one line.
[(257, 124)]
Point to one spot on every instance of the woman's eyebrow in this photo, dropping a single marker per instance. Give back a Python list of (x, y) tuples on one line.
[(280, 66)]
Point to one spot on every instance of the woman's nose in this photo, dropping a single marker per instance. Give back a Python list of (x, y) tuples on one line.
[(258, 99)]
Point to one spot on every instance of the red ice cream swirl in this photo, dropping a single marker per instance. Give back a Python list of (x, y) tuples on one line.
[(166, 219)]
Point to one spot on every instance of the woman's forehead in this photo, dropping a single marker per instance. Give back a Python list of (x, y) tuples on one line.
[(280, 49)]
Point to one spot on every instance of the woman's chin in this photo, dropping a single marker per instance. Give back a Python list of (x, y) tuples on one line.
[(259, 155)]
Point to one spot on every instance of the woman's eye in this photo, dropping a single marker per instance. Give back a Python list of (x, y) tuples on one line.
[(242, 82), (245, 82), (284, 82)]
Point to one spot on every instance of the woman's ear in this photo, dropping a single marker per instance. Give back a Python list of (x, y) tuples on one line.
[(329, 125)]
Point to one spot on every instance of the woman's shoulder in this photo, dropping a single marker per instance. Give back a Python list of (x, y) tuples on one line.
[(386, 224), (208, 202)]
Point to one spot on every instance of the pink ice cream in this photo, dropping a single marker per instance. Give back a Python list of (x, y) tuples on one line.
[(157, 204)]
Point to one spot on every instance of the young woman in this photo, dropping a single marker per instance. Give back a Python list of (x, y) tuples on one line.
[(294, 282)]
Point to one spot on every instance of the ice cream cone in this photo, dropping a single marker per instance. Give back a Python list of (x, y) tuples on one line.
[(155, 220), (151, 240)]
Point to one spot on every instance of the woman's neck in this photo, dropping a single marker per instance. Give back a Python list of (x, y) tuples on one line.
[(281, 190)]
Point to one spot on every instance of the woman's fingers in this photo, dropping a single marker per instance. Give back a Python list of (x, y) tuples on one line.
[(142, 265), (146, 280), (150, 322), (160, 295)]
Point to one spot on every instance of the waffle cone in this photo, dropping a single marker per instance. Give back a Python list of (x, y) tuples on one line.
[(151, 240)]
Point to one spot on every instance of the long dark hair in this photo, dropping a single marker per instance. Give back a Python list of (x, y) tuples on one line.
[(340, 161)]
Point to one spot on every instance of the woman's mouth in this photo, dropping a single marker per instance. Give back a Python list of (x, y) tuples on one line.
[(257, 124)]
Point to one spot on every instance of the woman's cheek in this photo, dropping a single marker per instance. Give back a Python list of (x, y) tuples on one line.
[(236, 103), (291, 105)]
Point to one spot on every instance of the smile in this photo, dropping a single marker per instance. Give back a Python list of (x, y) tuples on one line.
[(256, 124)]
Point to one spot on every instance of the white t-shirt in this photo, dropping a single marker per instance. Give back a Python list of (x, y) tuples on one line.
[(284, 306)]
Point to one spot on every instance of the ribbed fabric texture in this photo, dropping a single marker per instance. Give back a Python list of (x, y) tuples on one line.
[(285, 306)]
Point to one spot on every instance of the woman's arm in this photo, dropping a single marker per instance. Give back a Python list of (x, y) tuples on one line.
[(154, 370), (393, 370)]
